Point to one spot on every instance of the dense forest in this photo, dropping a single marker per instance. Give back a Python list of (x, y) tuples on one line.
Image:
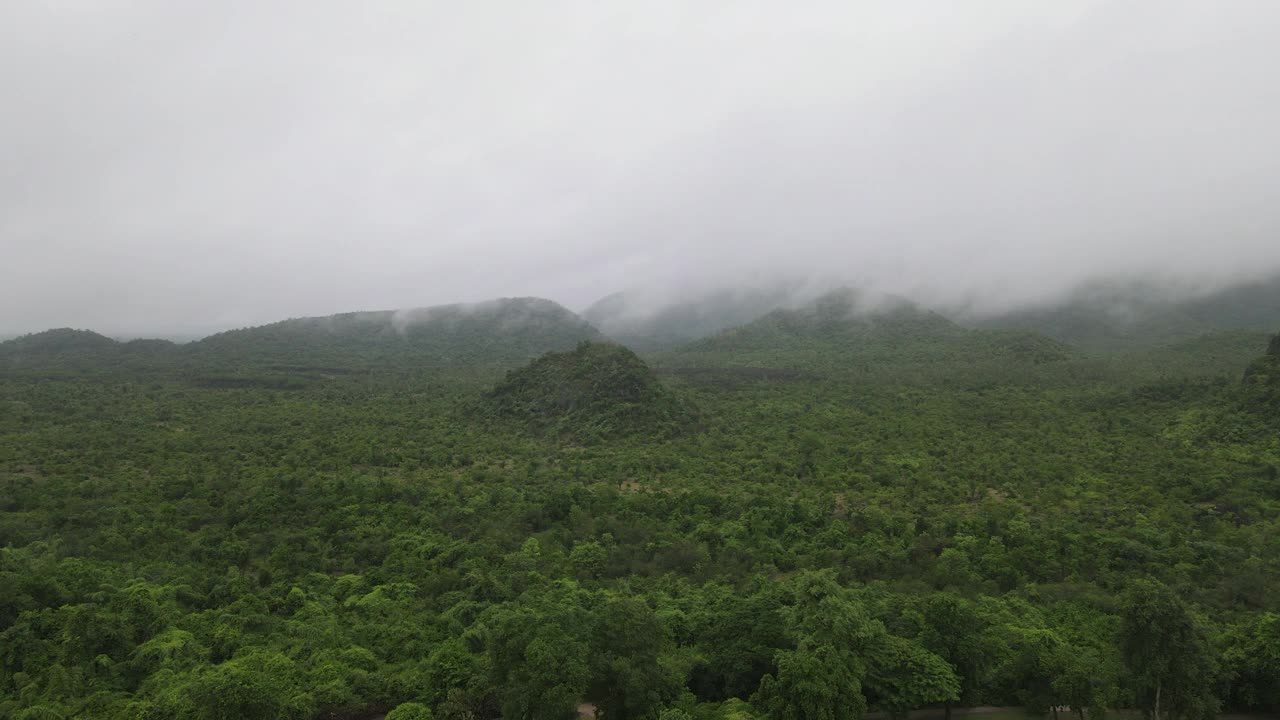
[(818, 512)]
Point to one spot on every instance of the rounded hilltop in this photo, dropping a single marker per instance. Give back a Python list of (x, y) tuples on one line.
[(597, 390)]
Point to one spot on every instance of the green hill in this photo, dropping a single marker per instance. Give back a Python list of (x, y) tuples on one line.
[(497, 332), (847, 327), (1216, 354), (1105, 317), (294, 353), (1252, 306), (56, 342), (65, 349), (593, 392)]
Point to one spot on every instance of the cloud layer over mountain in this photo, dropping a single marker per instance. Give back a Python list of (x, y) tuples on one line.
[(169, 167)]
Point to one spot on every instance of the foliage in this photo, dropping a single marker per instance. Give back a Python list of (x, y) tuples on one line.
[(595, 392), (410, 711), (878, 511), (1167, 653)]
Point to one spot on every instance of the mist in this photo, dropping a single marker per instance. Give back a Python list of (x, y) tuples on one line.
[(178, 168)]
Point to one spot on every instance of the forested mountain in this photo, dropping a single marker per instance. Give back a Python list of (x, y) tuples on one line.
[(1098, 317), (52, 343), (852, 506), (64, 349), (1220, 353), (1101, 316), (846, 327), (293, 353), (657, 324), (1105, 316), (501, 331)]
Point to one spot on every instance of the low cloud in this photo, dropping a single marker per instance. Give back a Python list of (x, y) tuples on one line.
[(168, 167)]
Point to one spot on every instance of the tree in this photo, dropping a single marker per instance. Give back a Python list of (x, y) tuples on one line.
[(813, 683), (1082, 679), (453, 669), (738, 637), (821, 679), (538, 657), (260, 685), (954, 631), (1031, 667), (1166, 652), (903, 676), (409, 711), (627, 680), (1251, 664)]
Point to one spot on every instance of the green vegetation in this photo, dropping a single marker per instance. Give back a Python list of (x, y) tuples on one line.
[(843, 330), (830, 511), (1130, 316), (594, 392), (492, 333), (1263, 382)]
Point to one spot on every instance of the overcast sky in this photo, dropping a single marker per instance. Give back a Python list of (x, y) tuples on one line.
[(170, 165)]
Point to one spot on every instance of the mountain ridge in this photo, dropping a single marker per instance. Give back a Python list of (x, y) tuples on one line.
[(848, 325), (503, 330), (1117, 316), (1102, 317)]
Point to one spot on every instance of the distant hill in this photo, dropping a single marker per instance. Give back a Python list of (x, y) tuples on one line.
[(1124, 316), (504, 331), (595, 391), (291, 353), (64, 348), (1101, 316), (59, 341), (1215, 354), (657, 324), (846, 326)]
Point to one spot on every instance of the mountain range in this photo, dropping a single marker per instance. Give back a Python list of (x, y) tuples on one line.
[(755, 327)]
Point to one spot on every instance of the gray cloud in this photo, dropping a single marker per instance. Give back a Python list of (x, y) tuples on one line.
[(181, 165)]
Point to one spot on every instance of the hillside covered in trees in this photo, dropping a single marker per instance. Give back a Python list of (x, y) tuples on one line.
[(845, 327), (1124, 315), (844, 507), (291, 354), (596, 391)]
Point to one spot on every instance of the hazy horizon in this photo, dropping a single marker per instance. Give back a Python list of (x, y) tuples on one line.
[(177, 170)]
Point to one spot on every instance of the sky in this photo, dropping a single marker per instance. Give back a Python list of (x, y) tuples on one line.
[(177, 166)]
